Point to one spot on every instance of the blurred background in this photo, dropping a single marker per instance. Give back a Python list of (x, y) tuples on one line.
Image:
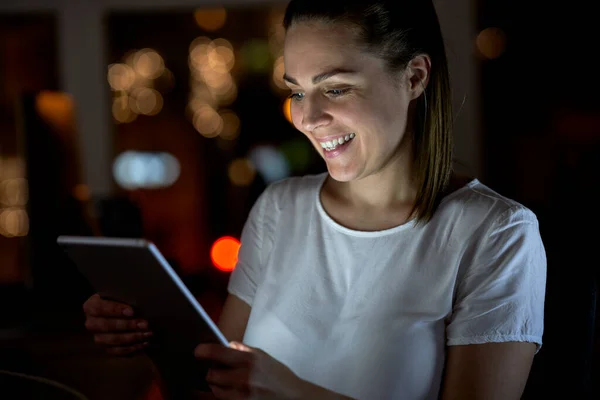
[(166, 119)]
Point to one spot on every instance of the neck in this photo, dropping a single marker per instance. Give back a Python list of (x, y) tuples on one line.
[(391, 187)]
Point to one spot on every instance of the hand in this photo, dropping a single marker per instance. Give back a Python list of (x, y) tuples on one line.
[(114, 327), (248, 373)]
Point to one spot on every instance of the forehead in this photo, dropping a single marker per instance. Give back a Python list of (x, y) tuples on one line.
[(312, 47)]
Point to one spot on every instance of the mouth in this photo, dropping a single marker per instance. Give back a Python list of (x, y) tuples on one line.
[(334, 143)]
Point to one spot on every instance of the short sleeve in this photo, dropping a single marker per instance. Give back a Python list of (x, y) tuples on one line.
[(248, 270), (500, 295)]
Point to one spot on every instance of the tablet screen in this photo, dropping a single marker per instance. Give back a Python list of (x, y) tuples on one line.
[(133, 271)]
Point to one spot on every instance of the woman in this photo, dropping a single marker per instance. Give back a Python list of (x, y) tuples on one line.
[(387, 277)]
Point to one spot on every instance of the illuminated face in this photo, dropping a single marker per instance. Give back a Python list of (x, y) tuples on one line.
[(345, 101)]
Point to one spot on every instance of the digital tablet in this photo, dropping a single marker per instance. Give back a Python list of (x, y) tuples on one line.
[(134, 272)]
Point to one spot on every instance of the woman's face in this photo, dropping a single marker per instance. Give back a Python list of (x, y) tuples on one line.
[(345, 101)]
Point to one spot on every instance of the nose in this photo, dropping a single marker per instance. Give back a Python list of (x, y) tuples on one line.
[(314, 115)]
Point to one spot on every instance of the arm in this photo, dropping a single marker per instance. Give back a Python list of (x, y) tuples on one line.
[(491, 371), (498, 312), (234, 318)]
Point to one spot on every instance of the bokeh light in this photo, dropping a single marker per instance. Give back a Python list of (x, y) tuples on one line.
[(146, 101), (14, 222), (491, 42), (224, 253), (12, 167), (56, 108), (138, 84), (231, 125), (201, 95), (120, 76), (141, 82), (211, 85), (148, 63), (121, 110), (14, 195), (200, 40), (141, 170), (220, 55), (81, 192), (207, 121), (199, 49), (287, 109), (241, 172), (222, 42), (219, 82), (227, 98), (226, 48), (14, 192), (210, 19), (270, 163)]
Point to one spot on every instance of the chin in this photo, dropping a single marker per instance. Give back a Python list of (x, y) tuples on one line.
[(342, 174)]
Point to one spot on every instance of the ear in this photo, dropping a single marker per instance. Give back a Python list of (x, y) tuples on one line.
[(418, 72)]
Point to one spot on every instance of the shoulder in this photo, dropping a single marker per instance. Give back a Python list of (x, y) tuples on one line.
[(285, 201), (502, 259), (477, 207)]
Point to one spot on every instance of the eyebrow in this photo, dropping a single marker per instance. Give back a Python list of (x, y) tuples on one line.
[(321, 77)]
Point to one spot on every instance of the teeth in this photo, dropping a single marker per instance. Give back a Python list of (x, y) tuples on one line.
[(333, 144)]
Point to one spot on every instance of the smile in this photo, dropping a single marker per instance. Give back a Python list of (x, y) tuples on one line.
[(333, 144)]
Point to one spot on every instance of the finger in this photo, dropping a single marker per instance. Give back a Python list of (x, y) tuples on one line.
[(98, 307), (97, 324), (120, 339), (237, 378), (223, 355), (126, 350)]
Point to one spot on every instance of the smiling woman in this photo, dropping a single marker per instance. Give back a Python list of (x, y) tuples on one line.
[(388, 276)]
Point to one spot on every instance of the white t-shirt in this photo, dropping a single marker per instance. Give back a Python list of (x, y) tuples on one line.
[(369, 314)]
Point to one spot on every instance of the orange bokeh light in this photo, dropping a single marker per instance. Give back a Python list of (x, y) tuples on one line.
[(224, 253), (211, 19), (287, 109)]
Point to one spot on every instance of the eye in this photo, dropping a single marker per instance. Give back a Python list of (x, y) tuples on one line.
[(336, 92), (297, 96)]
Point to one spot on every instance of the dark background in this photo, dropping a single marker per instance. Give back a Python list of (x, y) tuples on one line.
[(539, 122)]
